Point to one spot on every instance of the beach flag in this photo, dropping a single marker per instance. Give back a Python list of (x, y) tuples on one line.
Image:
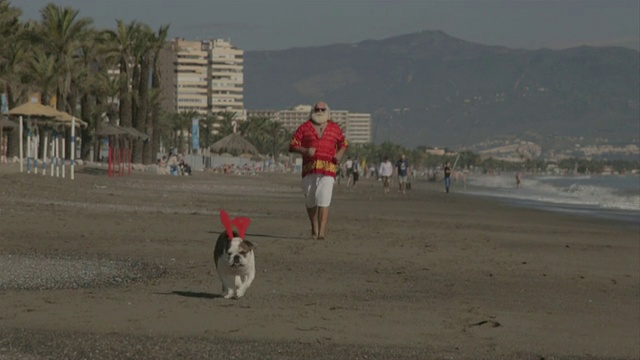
[(195, 133)]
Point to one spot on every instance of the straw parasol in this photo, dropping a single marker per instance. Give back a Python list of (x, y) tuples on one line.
[(67, 118), (235, 144), (45, 114), (34, 110), (6, 123), (135, 133), (111, 130)]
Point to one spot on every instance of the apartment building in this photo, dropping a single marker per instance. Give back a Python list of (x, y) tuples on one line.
[(359, 128), (356, 126), (205, 76)]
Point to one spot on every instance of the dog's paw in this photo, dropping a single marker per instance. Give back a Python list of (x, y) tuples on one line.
[(229, 295)]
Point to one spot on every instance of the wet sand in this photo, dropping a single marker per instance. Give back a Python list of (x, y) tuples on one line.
[(104, 268)]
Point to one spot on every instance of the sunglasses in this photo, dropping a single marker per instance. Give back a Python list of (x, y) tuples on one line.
[(320, 109)]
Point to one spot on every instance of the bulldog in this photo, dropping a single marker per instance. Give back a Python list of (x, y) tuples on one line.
[(234, 258)]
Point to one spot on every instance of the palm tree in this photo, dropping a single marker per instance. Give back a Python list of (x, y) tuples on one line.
[(142, 51), (254, 128), (157, 43), (9, 19), (181, 128), (280, 138), (120, 42), (11, 49), (94, 87), (207, 126), (226, 122), (185, 121), (40, 72), (59, 35), (164, 127), (389, 149), (11, 67), (11, 57)]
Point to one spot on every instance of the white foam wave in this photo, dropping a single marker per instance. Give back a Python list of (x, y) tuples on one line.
[(579, 191)]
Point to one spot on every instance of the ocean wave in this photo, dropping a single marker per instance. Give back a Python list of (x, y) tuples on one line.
[(598, 192)]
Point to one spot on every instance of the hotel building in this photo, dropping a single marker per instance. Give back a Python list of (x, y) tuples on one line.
[(356, 126), (204, 76)]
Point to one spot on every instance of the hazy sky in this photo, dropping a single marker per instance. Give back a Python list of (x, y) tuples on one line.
[(281, 24)]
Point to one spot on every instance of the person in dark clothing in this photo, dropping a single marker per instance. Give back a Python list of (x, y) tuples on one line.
[(402, 170), (447, 175), (356, 171), (185, 169)]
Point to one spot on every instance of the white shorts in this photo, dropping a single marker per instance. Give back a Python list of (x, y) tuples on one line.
[(317, 189)]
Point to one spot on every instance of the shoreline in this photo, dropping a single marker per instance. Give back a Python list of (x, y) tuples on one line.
[(547, 202), (629, 217), (422, 275)]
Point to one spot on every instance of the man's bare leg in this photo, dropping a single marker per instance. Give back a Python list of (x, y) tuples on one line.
[(313, 217), (323, 216)]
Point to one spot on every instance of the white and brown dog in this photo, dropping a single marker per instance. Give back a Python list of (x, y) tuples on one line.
[(233, 256)]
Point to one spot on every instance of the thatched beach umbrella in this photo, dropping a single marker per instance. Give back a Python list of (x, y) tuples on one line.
[(7, 124), (116, 135), (234, 144), (67, 119), (36, 110), (114, 130), (135, 133), (47, 115), (120, 157), (33, 111), (111, 130)]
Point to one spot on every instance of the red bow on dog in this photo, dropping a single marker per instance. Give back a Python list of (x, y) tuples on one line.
[(241, 223)]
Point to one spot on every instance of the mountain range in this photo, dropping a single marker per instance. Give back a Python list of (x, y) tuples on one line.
[(431, 89)]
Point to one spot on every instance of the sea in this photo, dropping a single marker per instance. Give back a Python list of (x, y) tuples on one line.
[(614, 197)]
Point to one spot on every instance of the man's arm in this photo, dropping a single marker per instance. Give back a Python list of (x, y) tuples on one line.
[(340, 153), (295, 145), (302, 150), (342, 145)]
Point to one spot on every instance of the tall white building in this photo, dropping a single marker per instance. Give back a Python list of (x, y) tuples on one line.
[(356, 126), (359, 128), (204, 76)]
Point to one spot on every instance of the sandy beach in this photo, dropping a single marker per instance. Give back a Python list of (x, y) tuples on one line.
[(122, 268)]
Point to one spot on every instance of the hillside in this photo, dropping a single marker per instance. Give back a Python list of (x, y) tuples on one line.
[(429, 88)]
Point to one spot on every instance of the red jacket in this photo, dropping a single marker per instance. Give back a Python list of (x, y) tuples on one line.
[(323, 161)]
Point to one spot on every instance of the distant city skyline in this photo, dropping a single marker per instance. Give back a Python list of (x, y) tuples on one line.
[(282, 24)]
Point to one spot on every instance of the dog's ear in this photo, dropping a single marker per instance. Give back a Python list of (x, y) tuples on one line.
[(226, 221), (249, 244), (242, 223)]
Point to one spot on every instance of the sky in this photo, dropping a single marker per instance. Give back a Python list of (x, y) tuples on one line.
[(282, 24)]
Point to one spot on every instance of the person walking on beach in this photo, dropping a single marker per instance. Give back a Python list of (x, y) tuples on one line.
[(386, 171), (356, 171), (518, 179), (322, 144), (402, 169), (349, 166), (447, 175)]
